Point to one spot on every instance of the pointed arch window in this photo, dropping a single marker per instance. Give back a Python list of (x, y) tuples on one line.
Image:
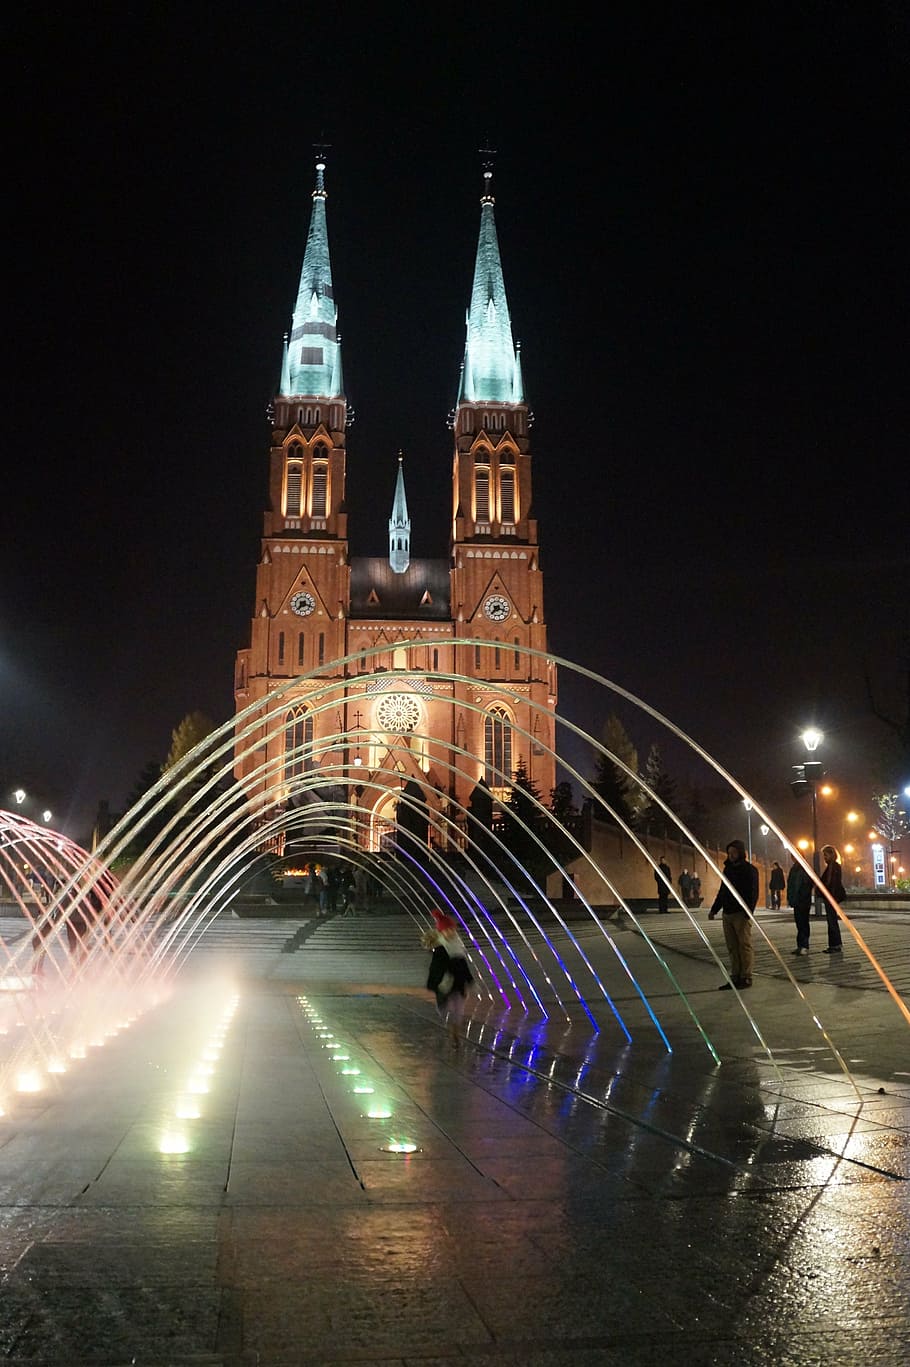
[(320, 483), (497, 748), (300, 647), (482, 494), (293, 481), (298, 743), (507, 495)]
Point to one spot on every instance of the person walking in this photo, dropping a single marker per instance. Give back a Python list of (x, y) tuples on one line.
[(799, 897), (664, 880), (685, 886), (776, 886), (449, 977), (833, 881), (742, 878)]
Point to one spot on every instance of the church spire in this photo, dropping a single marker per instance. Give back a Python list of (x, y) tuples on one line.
[(399, 525), (313, 364), (491, 370)]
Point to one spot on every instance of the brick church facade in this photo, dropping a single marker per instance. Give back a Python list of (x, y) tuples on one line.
[(398, 673)]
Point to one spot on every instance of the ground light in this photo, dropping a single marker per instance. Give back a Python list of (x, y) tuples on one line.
[(378, 1112), (399, 1146), (174, 1143), (363, 1090)]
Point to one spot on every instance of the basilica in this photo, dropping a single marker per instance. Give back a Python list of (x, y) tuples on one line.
[(376, 675)]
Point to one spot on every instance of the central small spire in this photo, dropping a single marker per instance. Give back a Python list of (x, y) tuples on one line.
[(399, 525)]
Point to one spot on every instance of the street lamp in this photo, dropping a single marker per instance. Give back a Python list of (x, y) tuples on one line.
[(806, 779), (20, 796)]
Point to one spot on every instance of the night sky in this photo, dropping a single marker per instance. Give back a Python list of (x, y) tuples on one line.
[(703, 218)]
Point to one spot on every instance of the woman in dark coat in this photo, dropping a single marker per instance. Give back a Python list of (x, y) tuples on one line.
[(776, 885), (833, 881)]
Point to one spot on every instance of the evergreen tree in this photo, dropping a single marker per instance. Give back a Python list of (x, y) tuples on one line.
[(188, 733), (524, 820), (618, 790), (664, 787)]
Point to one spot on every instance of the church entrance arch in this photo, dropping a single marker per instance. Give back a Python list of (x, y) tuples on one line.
[(384, 823)]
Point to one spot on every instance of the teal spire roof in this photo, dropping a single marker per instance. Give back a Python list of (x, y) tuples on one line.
[(492, 373), (399, 525), (313, 360)]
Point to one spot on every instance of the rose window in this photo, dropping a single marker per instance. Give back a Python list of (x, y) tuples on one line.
[(398, 712)]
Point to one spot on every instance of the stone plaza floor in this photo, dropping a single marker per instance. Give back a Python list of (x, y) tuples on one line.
[(571, 1199)]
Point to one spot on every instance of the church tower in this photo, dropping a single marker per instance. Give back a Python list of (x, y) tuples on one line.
[(497, 584), (302, 580), (399, 721)]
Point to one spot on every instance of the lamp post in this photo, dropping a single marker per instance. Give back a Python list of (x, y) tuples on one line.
[(805, 780), (764, 835)]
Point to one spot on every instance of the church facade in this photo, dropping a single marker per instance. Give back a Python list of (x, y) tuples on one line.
[(398, 673)]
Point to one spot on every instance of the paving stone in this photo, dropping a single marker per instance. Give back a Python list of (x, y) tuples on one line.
[(573, 1201)]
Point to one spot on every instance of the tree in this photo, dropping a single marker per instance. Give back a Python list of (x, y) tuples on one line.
[(663, 787), (892, 823), (897, 722), (188, 733), (524, 820), (562, 803), (613, 784)]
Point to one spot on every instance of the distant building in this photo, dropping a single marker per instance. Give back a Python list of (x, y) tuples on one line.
[(315, 602)]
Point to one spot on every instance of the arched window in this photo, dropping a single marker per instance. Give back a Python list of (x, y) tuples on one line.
[(322, 647), (320, 483), (507, 495), (497, 748), (293, 481), (281, 647), (482, 494), (298, 743), (300, 647)]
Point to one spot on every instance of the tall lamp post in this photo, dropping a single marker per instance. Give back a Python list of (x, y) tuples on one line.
[(805, 780)]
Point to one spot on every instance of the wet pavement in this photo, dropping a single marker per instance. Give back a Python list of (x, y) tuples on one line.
[(572, 1198)]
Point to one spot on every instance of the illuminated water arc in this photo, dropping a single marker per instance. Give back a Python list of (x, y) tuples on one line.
[(766, 820), (708, 859), (189, 840)]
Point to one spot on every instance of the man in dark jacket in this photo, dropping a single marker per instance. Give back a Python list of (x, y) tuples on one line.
[(738, 887), (799, 897)]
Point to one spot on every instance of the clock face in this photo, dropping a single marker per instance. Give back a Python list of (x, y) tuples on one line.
[(303, 604), (497, 608)]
